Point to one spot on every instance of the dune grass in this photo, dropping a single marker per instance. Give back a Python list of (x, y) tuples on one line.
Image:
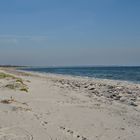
[(17, 86), (4, 75), (24, 89), (15, 83)]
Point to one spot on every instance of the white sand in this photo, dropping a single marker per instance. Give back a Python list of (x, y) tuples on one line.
[(67, 108)]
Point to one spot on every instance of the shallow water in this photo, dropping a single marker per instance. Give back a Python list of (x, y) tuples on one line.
[(116, 73)]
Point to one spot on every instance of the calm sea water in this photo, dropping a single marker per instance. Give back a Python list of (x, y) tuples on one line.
[(116, 73)]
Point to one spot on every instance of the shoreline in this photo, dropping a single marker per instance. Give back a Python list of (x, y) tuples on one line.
[(66, 107), (78, 77), (87, 84), (82, 76)]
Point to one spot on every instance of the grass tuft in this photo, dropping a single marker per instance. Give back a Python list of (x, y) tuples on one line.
[(19, 81), (4, 75), (10, 86), (24, 89), (15, 83)]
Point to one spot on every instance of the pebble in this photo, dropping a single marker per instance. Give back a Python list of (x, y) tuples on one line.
[(123, 99), (132, 103), (125, 94)]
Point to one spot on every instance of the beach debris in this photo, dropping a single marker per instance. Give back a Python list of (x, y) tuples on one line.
[(19, 105), (12, 100), (8, 101)]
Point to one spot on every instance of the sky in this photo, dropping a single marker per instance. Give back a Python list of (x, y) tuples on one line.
[(69, 32)]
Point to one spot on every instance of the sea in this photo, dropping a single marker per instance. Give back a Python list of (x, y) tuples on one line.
[(125, 73)]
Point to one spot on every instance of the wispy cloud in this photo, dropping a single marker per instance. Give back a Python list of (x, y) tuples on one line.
[(4, 40), (14, 39)]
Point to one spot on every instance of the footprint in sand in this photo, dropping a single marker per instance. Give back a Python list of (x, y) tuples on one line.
[(72, 133), (39, 117), (44, 123), (15, 133)]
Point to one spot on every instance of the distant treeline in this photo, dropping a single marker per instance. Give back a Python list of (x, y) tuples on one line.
[(11, 66)]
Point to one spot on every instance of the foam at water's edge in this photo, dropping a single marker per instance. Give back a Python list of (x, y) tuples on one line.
[(131, 74)]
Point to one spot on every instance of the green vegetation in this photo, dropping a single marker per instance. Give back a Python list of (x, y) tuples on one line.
[(14, 83), (24, 89), (17, 86), (19, 81), (4, 75), (10, 86)]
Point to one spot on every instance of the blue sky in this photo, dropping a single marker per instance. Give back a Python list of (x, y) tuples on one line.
[(70, 32)]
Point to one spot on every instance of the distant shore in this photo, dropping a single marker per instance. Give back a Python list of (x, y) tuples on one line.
[(37, 106)]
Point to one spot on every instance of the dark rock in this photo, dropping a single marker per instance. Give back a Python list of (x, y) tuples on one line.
[(133, 104), (91, 88), (129, 92), (110, 87), (78, 136), (83, 138), (117, 98), (86, 87)]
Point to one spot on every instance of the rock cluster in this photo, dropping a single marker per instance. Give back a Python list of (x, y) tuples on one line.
[(124, 93)]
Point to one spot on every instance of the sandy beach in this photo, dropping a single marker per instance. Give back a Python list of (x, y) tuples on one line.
[(36, 106)]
